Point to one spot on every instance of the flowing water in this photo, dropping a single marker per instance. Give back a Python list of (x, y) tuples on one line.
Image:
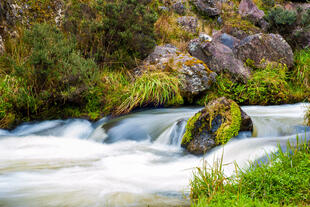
[(135, 160)]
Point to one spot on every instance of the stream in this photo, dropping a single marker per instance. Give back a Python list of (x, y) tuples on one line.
[(134, 160)]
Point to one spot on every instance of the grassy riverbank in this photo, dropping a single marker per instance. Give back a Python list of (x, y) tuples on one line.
[(282, 181), (85, 66)]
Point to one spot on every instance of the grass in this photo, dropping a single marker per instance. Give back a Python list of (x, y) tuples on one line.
[(282, 181)]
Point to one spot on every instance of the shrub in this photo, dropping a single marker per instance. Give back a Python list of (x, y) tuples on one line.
[(281, 20), (44, 70), (115, 33)]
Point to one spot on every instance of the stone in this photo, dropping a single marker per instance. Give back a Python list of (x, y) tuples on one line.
[(226, 39), (194, 74), (265, 47), (218, 57), (214, 125), (249, 10), (207, 7), (188, 23), (179, 7)]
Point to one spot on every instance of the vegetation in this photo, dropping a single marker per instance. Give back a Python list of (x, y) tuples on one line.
[(42, 70), (282, 181), (274, 84), (83, 64), (115, 33)]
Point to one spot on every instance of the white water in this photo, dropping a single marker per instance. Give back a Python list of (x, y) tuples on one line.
[(135, 160)]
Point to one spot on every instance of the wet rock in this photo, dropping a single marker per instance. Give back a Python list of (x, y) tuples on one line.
[(207, 7), (179, 7), (218, 57), (267, 47), (188, 23), (214, 125), (226, 39), (195, 75)]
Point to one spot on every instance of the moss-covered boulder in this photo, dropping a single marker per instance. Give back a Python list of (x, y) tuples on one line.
[(195, 76), (215, 125)]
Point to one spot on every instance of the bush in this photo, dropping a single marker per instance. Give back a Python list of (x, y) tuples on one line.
[(115, 33), (44, 70), (281, 20)]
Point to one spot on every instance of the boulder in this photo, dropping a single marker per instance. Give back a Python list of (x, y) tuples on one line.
[(195, 75), (188, 23), (248, 10), (214, 125), (179, 7), (207, 7), (267, 47), (218, 57), (226, 39)]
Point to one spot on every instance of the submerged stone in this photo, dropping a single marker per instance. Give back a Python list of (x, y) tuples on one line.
[(215, 125)]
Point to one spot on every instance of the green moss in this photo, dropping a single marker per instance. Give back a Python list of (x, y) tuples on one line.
[(190, 126), (231, 126)]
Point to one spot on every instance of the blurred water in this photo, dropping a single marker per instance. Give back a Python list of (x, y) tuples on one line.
[(135, 160)]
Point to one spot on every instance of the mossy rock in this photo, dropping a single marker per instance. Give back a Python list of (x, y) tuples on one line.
[(216, 124)]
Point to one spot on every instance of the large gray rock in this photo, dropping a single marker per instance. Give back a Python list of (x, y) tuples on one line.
[(194, 74), (214, 125), (249, 10), (226, 39), (267, 47), (218, 57), (207, 7), (188, 23)]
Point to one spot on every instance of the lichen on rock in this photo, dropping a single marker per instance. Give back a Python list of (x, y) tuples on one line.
[(214, 125)]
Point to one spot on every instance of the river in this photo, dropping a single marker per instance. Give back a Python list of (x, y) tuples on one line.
[(135, 160)]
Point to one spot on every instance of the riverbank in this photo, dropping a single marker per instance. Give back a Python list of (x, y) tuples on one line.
[(282, 180), (60, 62)]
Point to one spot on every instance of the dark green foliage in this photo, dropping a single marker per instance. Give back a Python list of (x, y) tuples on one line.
[(114, 32), (281, 20), (268, 3), (44, 71), (283, 181)]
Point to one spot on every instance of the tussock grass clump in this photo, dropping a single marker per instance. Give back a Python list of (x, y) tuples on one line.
[(154, 88), (282, 181)]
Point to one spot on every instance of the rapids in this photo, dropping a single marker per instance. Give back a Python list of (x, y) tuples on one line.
[(134, 160)]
